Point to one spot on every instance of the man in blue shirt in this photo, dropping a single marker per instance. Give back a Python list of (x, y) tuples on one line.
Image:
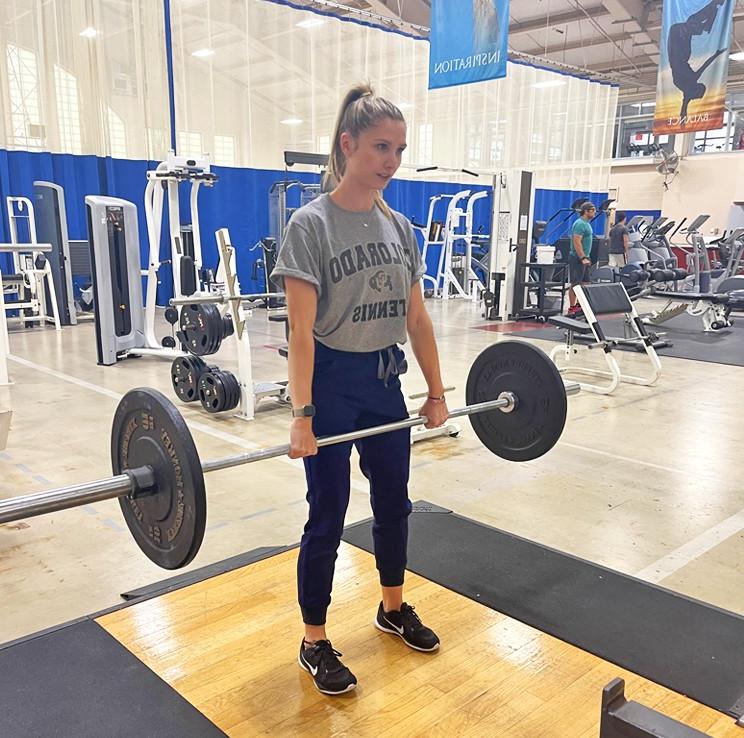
[(579, 260)]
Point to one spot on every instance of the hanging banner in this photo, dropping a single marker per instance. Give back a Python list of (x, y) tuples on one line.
[(468, 41), (693, 67)]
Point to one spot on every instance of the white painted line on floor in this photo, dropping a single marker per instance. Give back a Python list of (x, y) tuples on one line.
[(692, 550), (631, 460), (196, 425), (65, 377)]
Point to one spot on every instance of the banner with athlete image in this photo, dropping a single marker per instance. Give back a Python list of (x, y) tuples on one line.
[(468, 41), (693, 67)]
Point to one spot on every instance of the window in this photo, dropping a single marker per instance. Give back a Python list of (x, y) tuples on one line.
[(68, 111), (425, 144), (719, 139), (497, 149), (117, 135), (224, 150), (190, 144), (537, 150), (475, 135), (634, 132), (25, 100), (158, 144)]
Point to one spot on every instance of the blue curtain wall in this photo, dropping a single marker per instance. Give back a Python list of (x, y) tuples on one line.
[(238, 201)]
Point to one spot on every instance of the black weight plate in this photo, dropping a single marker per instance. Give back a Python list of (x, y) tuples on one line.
[(168, 522), (212, 392), (536, 424), (185, 373), (233, 390), (236, 384), (227, 326), (228, 387), (201, 326), (171, 315)]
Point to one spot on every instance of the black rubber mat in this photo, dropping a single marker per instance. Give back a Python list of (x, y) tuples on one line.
[(690, 647), (180, 581), (684, 333), (79, 682)]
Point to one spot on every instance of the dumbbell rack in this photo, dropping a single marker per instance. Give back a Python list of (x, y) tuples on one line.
[(250, 393)]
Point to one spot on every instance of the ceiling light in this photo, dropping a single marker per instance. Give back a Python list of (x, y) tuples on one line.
[(89, 32), (291, 121), (737, 56), (550, 83), (202, 52), (310, 23)]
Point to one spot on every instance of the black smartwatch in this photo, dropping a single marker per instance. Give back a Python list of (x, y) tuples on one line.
[(304, 411)]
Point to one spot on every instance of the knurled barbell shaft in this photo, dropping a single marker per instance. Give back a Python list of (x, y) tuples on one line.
[(219, 298), (506, 401), (64, 498)]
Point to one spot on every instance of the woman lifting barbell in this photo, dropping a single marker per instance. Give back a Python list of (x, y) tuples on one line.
[(350, 268)]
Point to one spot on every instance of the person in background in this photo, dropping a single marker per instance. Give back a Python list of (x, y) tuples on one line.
[(619, 241), (579, 260)]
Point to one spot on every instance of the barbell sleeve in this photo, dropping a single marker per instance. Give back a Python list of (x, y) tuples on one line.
[(63, 498)]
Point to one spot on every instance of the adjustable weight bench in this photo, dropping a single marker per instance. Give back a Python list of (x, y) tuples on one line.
[(597, 300)]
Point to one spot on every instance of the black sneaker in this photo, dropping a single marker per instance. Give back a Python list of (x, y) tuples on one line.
[(329, 674), (408, 626)]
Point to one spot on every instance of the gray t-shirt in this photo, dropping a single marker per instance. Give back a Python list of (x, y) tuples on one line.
[(617, 242), (363, 266)]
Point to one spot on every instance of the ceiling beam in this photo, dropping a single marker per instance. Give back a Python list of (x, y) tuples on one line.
[(412, 11), (580, 44), (540, 23)]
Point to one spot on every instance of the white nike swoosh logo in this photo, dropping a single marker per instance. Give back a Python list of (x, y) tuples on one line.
[(400, 630), (313, 669)]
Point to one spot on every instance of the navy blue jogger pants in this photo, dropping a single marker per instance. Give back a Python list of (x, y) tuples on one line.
[(353, 391)]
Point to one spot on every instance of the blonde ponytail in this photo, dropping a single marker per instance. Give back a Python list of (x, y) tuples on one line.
[(360, 109)]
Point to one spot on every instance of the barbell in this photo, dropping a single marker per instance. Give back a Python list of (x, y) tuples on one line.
[(516, 405)]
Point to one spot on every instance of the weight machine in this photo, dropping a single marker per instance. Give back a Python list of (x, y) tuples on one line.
[(32, 283), (185, 239), (509, 287), (699, 299), (4, 344), (432, 236), (113, 239), (455, 270), (51, 222), (455, 274), (280, 212)]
